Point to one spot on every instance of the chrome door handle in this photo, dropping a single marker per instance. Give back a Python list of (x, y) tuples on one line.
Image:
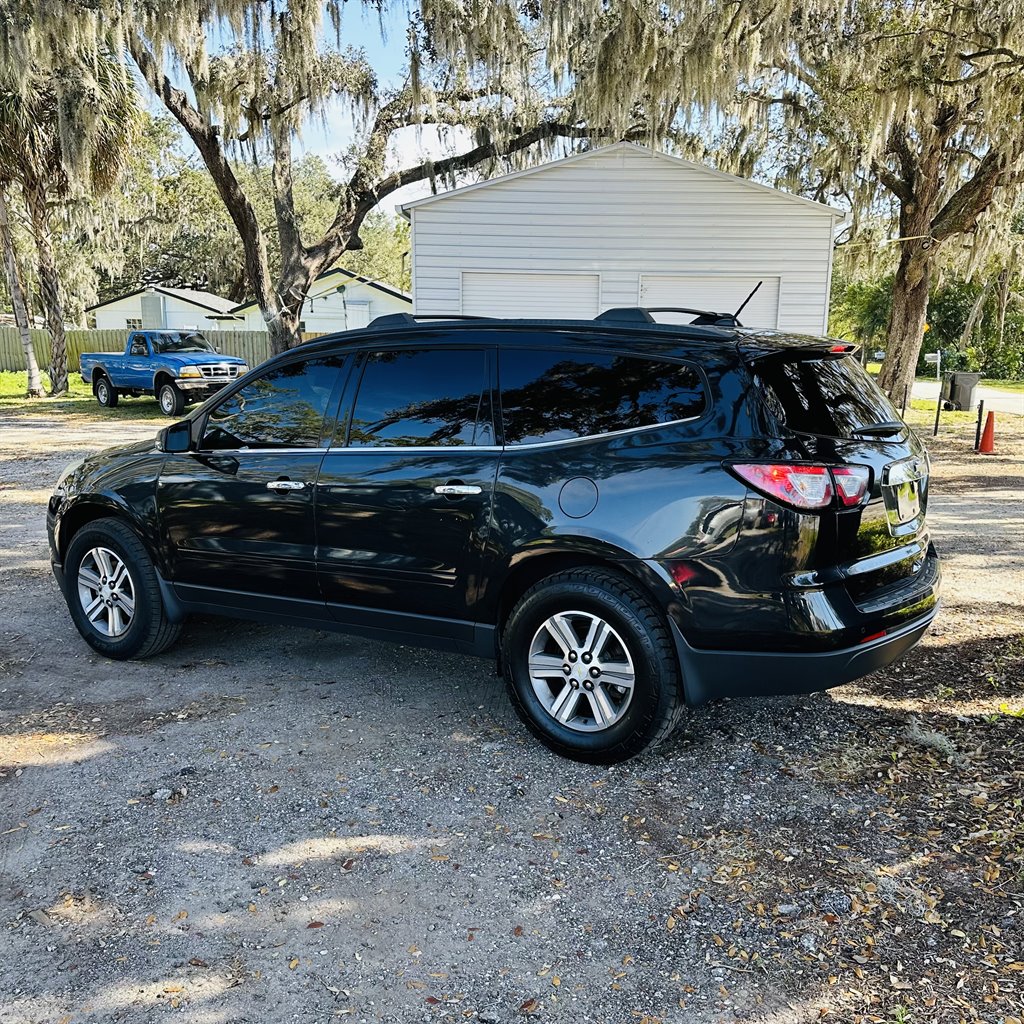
[(285, 485), (454, 490)]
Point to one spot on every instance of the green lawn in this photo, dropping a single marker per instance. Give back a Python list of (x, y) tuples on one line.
[(13, 385), (927, 406), (1004, 385)]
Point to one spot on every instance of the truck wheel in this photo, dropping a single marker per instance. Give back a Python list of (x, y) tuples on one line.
[(171, 399), (106, 393), (590, 666), (113, 593)]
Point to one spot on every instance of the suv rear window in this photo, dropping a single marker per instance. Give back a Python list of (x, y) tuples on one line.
[(830, 397), (556, 396)]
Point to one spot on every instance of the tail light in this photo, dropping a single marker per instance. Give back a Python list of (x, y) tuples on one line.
[(851, 484), (806, 487)]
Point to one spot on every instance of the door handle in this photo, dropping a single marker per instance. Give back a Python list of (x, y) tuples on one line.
[(285, 485), (454, 490)]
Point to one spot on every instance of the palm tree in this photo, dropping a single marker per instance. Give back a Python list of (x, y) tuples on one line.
[(17, 290), (63, 130)]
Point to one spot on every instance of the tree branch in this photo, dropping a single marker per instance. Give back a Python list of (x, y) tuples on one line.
[(211, 149), (900, 188), (973, 197)]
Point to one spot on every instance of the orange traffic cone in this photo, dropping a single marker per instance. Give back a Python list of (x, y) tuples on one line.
[(988, 437)]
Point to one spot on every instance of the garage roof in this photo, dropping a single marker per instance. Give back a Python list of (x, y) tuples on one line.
[(634, 148)]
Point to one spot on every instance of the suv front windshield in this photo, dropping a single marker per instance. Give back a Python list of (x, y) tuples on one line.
[(180, 341)]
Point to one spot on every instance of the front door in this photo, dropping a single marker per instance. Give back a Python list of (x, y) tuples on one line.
[(138, 365), (404, 496), (238, 515)]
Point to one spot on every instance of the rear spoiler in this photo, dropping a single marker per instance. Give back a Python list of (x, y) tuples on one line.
[(825, 348)]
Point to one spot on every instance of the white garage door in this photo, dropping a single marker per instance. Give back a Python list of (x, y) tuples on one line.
[(525, 296), (718, 293)]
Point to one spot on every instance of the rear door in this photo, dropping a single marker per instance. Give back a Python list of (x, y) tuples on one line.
[(238, 514), (841, 417), (404, 493)]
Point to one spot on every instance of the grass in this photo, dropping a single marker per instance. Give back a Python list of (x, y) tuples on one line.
[(1004, 385), (79, 400), (921, 412)]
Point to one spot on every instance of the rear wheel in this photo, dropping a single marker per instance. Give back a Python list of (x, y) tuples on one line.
[(106, 393), (171, 399), (113, 593), (590, 666)]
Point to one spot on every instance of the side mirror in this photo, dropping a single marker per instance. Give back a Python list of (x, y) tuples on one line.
[(176, 438)]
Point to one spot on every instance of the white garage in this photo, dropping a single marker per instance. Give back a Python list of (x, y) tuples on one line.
[(623, 226)]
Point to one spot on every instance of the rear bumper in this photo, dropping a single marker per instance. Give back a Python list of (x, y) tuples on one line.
[(709, 675)]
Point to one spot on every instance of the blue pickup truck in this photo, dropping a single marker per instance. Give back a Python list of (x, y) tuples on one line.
[(177, 366)]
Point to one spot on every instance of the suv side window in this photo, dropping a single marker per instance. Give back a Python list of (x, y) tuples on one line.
[(284, 408), (423, 398), (556, 396)]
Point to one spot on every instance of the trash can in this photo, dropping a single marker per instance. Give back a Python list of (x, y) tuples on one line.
[(958, 389)]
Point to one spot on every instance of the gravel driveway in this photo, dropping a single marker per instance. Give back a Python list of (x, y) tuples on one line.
[(269, 824)]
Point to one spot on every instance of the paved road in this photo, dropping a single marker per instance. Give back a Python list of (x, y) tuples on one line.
[(995, 399)]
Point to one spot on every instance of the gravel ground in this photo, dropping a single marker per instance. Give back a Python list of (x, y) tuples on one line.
[(268, 824)]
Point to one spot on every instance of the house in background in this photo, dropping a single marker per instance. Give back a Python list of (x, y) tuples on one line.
[(339, 300), (623, 226), (158, 306)]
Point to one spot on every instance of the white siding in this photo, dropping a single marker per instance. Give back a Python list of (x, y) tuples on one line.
[(622, 213), (498, 293), (328, 309), (722, 293), (176, 314)]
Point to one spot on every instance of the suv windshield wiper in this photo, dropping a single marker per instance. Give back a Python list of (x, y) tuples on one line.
[(879, 429)]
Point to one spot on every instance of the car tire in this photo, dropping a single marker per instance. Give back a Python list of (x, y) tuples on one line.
[(107, 563), (171, 399), (106, 393), (582, 707)]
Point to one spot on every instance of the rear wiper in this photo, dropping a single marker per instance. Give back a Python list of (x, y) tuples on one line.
[(879, 429)]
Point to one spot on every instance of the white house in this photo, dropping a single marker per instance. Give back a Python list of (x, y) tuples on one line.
[(623, 226), (158, 306), (338, 301)]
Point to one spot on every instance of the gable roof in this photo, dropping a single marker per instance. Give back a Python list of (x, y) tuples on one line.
[(349, 275), (634, 149), (193, 296)]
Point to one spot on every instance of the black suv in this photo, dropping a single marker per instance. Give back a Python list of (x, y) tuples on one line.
[(630, 516)]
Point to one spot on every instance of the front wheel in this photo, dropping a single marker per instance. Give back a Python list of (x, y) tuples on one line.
[(106, 393), (171, 399), (590, 666), (113, 593)]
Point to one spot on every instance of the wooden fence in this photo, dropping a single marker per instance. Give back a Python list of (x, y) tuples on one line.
[(252, 346)]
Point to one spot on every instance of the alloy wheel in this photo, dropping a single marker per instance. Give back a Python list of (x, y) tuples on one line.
[(581, 671), (106, 591)]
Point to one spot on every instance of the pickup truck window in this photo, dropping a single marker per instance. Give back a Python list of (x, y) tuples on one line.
[(180, 342), (138, 347), (284, 408)]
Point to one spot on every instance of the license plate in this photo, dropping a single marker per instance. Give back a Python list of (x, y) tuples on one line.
[(902, 483)]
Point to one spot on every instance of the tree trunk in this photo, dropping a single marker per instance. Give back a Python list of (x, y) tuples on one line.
[(18, 303), (49, 286), (907, 317)]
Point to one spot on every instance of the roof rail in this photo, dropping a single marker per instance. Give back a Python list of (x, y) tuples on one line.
[(642, 314), (412, 319)]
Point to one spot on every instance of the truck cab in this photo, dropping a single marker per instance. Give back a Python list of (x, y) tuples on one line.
[(178, 367)]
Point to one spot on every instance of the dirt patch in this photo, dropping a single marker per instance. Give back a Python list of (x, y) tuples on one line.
[(273, 824)]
